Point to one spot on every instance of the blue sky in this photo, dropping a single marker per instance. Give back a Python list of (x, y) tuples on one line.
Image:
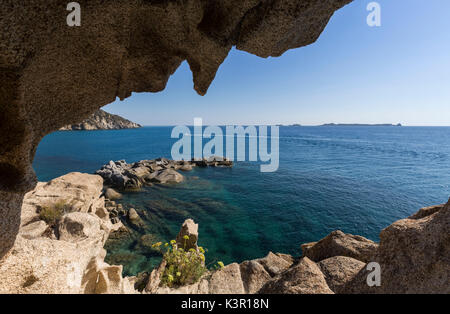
[(399, 72)]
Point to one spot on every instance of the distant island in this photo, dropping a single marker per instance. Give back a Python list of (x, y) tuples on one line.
[(102, 120), (357, 124)]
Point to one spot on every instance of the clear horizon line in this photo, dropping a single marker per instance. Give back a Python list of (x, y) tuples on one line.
[(303, 125)]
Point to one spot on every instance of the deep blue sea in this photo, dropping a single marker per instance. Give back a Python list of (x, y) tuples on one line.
[(356, 179)]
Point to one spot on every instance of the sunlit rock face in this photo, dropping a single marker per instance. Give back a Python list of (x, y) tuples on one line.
[(53, 75)]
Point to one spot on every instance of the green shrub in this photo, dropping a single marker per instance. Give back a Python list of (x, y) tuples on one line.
[(51, 213), (183, 267)]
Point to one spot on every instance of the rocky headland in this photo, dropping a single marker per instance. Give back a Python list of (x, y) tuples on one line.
[(66, 254), (102, 120)]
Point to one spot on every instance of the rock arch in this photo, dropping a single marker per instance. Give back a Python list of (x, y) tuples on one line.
[(52, 75)]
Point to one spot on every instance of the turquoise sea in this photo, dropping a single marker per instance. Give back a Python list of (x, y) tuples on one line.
[(356, 179)]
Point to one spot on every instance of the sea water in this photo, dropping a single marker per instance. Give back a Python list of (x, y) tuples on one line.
[(356, 179)]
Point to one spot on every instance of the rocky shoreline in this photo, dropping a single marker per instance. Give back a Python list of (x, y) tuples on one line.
[(69, 256)]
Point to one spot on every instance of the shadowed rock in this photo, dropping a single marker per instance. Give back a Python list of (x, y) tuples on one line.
[(339, 270), (414, 256), (338, 243), (303, 278), (253, 275)]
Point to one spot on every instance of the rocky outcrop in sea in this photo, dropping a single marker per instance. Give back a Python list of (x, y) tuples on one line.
[(102, 120), (124, 176)]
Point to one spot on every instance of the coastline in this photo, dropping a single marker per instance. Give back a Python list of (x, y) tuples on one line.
[(334, 264)]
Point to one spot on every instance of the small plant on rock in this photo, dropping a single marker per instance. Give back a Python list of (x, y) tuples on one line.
[(183, 267), (51, 213)]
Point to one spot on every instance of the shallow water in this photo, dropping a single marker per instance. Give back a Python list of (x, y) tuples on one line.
[(357, 179)]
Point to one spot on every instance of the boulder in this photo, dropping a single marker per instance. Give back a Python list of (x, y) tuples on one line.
[(338, 243), (76, 226), (275, 264), (134, 219), (112, 194), (33, 230), (114, 174), (228, 280), (123, 176), (339, 270), (168, 176), (132, 214), (414, 256), (186, 167), (253, 275), (190, 229), (303, 278)]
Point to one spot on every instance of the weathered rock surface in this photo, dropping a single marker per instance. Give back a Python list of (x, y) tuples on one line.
[(61, 262), (253, 275), (102, 120), (81, 191), (303, 278), (339, 270), (134, 219), (426, 211), (34, 229), (99, 277), (227, 281), (414, 255), (275, 264), (76, 226), (168, 176), (128, 46), (189, 229), (338, 243), (119, 175), (112, 194)]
